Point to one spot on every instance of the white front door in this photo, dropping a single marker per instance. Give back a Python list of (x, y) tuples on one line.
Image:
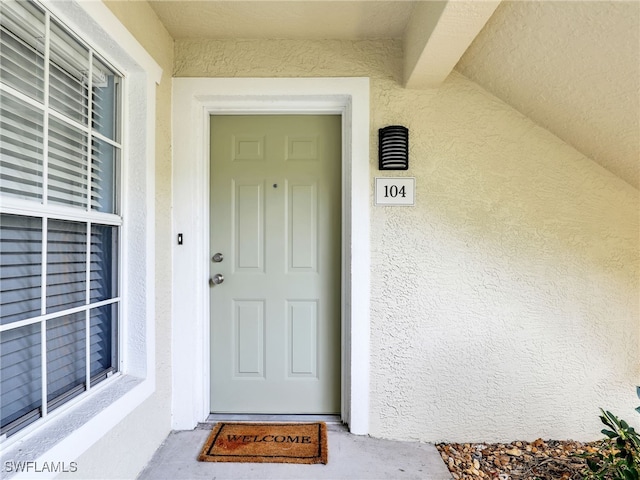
[(275, 289)]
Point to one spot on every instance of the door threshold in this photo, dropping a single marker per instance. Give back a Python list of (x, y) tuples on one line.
[(272, 418)]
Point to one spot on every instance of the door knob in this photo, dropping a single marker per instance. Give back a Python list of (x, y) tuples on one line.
[(218, 257), (217, 279)]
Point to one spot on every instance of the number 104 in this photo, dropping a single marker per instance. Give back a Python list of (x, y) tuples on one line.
[(393, 191)]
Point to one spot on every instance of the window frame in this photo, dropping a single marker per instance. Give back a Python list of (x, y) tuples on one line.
[(87, 216), (72, 428)]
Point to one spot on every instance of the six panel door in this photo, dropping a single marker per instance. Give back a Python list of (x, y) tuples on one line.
[(275, 220)]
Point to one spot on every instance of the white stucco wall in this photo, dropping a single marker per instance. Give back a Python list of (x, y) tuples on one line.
[(505, 303)]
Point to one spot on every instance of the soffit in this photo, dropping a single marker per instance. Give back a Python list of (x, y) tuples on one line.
[(313, 19)]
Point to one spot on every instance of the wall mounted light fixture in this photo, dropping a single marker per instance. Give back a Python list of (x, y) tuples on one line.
[(393, 148)]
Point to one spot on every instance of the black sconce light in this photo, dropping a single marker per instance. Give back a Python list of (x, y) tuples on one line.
[(393, 148)]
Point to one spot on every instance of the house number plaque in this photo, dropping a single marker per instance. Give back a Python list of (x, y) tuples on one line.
[(395, 191)]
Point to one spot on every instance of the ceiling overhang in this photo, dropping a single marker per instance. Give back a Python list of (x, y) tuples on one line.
[(436, 37)]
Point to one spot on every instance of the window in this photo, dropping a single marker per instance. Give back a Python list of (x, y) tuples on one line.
[(60, 215)]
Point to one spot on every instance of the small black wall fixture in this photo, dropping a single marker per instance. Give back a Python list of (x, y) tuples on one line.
[(393, 148)]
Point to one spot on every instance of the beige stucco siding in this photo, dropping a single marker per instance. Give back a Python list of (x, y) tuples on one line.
[(505, 303)]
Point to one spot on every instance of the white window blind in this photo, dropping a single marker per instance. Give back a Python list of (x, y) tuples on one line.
[(21, 148), (21, 381), (67, 164), (68, 75), (21, 267), (60, 226), (22, 52)]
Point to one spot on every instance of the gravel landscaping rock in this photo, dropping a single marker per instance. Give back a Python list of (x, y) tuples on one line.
[(538, 460)]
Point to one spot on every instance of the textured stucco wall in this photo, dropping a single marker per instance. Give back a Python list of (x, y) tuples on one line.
[(568, 89), (129, 446), (505, 303)]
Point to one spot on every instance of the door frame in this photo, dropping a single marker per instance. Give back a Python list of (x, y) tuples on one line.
[(194, 101)]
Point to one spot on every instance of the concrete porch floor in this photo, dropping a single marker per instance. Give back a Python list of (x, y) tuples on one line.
[(351, 457)]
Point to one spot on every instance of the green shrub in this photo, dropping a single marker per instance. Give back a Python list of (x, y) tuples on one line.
[(619, 457)]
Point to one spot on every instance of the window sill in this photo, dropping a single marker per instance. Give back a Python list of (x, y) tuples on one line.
[(63, 439)]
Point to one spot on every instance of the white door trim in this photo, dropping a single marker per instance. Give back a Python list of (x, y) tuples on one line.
[(194, 100)]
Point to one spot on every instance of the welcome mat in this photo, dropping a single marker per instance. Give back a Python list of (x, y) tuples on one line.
[(266, 443)]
